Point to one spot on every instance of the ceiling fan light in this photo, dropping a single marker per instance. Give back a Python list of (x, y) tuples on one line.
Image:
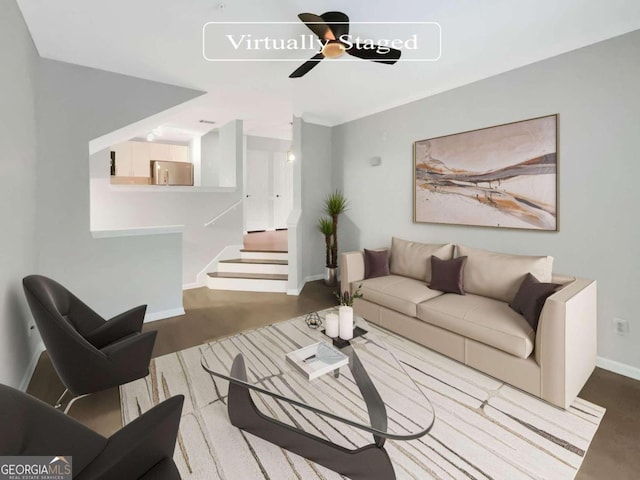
[(333, 49)]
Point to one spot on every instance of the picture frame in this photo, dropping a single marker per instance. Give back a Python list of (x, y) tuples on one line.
[(503, 176)]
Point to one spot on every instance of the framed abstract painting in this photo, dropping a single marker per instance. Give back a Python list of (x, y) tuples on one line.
[(503, 176)]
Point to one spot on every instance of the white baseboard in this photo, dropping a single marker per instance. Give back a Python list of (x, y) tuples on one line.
[(310, 278), (32, 366), (190, 286), (618, 367), (174, 312)]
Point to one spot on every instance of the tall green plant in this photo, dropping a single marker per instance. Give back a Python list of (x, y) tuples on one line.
[(334, 204), (325, 225)]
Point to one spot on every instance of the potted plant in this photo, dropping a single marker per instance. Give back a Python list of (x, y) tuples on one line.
[(334, 204), (325, 225), (346, 299)]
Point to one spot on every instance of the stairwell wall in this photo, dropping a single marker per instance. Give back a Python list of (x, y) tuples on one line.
[(316, 178), (75, 105)]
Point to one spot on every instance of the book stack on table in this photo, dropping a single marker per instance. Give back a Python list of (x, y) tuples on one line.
[(317, 359)]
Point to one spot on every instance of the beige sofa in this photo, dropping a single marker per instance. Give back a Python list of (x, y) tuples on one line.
[(479, 329)]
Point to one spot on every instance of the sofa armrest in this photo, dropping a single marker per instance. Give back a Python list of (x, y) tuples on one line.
[(566, 341), (351, 269)]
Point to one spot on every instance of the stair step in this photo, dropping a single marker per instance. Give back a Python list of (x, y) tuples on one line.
[(254, 265), (259, 261), (246, 254), (251, 282), (267, 251), (251, 276)]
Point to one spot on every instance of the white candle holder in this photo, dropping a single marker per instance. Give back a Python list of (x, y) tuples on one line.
[(332, 325), (346, 322)]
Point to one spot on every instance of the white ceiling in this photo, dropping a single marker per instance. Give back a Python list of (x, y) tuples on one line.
[(162, 40)]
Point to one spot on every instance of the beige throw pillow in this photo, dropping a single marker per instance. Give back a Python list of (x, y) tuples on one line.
[(413, 259), (499, 275)]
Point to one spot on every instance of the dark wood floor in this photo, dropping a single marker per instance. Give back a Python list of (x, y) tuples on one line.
[(613, 455)]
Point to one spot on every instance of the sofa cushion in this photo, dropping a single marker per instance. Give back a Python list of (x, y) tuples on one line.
[(376, 263), (483, 319), (530, 298), (448, 275), (498, 275), (397, 293), (413, 259)]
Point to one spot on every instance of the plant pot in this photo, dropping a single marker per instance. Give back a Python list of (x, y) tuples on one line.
[(331, 276)]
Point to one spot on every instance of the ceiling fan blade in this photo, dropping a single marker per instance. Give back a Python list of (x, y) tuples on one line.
[(307, 66), (338, 22), (389, 57), (317, 25)]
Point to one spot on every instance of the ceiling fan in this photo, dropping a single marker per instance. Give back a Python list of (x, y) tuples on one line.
[(332, 28)]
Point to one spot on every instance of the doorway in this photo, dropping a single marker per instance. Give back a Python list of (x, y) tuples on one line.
[(268, 187)]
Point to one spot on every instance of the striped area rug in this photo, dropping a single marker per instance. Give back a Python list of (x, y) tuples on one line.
[(484, 429)]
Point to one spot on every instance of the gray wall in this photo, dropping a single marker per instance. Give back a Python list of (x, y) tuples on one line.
[(19, 59), (316, 185), (595, 91), (75, 105), (267, 144), (209, 155)]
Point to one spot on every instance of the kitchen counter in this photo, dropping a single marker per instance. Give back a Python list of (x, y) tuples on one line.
[(120, 180)]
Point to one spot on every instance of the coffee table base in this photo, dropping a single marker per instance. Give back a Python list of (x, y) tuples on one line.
[(370, 462)]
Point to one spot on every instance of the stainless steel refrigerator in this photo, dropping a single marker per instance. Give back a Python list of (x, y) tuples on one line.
[(171, 173)]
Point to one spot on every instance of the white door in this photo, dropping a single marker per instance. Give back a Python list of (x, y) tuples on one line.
[(256, 202), (269, 190), (282, 189)]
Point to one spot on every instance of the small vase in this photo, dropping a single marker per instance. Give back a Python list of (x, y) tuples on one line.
[(346, 322)]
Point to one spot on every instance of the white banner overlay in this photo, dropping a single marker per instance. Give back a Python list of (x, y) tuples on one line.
[(294, 42)]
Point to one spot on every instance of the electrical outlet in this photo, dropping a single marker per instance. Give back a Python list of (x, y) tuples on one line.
[(621, 326)]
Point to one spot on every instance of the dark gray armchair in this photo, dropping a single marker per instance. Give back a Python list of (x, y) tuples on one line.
[(88, 353), (143, 449)]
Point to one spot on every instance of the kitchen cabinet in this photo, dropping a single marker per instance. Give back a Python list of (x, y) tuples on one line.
[(179, 153), (123, 159), (133, 159), (159, 151), (140, 159)]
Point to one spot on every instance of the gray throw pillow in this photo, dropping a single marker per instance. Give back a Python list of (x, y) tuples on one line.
[(530, 298), (448, 275), (376, 263)]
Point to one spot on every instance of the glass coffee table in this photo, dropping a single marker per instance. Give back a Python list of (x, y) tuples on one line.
[(373, 393)]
